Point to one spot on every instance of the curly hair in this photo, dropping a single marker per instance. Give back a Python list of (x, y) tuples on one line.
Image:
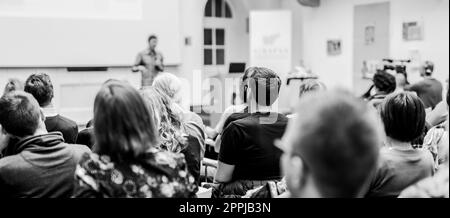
[(171, 127), (41, 87)]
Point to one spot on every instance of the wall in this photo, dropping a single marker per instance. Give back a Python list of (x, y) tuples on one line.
[(334, 19)]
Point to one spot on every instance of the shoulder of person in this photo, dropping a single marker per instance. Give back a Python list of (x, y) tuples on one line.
[(9, 162), (66, 121)]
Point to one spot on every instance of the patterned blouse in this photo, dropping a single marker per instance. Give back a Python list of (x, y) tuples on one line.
[(162, 175)]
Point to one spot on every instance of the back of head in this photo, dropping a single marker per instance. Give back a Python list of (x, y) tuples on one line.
[(384, 82), (311, 85), (13, 85), (403, 115), (169, 84), (20, 114), (338, 138), (41, 87), (169, 122), (124, 127), (265, 85)]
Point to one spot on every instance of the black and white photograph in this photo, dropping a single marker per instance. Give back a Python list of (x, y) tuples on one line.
[(223, 106)]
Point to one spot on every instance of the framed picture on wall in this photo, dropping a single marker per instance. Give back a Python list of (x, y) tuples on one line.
[(412, 31), (369, 35), (334, 47)]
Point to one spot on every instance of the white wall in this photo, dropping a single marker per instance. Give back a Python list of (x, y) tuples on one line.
[(334, 19)]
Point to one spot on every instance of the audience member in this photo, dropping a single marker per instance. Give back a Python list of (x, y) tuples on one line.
[(171, 86), (331, 147), (384, 84), (13, 85), (429, 89), (86, 136), (41, 87), (438, 185), (248, 157), (42, 164), (176, 135), (437, 140), (400, 164), (126, 162)]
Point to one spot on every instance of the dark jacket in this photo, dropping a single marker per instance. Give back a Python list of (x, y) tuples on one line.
[(66, 126), (42, 166)]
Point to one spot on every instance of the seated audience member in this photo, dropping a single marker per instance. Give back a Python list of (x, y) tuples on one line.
[(384, 84), (429, 89), (400, 164), (86, 136), (432, 187), (307, 87), (437, 140), (13, 85), (171, 86), (42, 164), (41, 87), (331, 147), (235, 112), (176, 135), (439, 114), (248, 157), (126, 162)]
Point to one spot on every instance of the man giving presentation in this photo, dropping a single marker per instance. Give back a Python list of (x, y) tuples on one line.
[(149, 62)]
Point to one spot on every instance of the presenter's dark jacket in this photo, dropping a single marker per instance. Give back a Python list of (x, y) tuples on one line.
[(66, 126), (43, 166)]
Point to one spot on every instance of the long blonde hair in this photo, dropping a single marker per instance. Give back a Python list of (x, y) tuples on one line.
[(170, 125)]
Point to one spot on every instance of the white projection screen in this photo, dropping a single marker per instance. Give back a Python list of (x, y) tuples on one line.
[(78, 33)]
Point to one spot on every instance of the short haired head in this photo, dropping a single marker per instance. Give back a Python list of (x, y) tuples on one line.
[(311, 85), (403, 115), (151, 37), (20, 114), (331, 146), (124, 127), (152, 41), (13, 85), (384, 82), (243, 86), (264, 84), (41, 87), (170, 85)]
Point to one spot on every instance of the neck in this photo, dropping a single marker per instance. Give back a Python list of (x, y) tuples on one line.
[(48, 106), (261, 109), (395, 144)]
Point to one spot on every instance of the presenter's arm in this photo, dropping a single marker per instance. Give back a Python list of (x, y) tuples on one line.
[(137, 66)]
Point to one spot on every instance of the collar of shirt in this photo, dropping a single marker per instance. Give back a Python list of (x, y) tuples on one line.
[(50, 112)]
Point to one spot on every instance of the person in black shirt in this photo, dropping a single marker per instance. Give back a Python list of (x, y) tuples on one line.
[(41, 87), (247, 151)]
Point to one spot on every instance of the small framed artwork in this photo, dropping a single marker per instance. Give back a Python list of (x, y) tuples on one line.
[(334, 47), (413, 31), (369, 35)]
